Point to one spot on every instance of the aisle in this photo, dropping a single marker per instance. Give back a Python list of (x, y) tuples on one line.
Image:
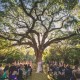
[(38, 76)]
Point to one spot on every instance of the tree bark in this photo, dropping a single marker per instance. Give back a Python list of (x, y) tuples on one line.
[(39, 62)]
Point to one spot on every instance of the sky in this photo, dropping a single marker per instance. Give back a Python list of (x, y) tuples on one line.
[(2, 9)]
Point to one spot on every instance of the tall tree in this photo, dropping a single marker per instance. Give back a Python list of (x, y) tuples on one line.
[(38, 23)]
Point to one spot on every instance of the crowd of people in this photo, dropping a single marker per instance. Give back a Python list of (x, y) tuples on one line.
[(62, 71), (57, 71), (15, 72)]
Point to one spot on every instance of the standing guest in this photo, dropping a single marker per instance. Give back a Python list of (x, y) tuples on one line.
[(76, 73), (1, 68), (22, 68), (20, 75), (13, 72), (1, 74), (29, 70), (61, 72), (6, 75), (39, 68), (6, 67), (26, 69), (68, 72)]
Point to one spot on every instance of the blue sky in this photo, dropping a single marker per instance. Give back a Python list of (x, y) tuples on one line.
[(1, 8)]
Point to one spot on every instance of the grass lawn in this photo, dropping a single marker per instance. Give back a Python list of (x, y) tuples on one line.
[(38, 76)]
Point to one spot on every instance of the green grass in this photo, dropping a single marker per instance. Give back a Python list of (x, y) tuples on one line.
[(38, 76)]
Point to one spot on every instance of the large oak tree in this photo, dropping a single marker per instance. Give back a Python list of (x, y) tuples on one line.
[(38, 23)]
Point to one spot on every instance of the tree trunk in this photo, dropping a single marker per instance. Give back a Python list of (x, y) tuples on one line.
[(39, 62)]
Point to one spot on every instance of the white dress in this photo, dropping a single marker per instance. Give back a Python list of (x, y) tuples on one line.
[(39, 68)]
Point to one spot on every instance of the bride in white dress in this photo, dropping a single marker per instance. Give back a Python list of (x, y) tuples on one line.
[(39, 68)]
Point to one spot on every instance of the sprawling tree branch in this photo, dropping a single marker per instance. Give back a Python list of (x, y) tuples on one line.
[(7, 38), (58, 39), (24, 9), (23, 43), (35, 5)]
